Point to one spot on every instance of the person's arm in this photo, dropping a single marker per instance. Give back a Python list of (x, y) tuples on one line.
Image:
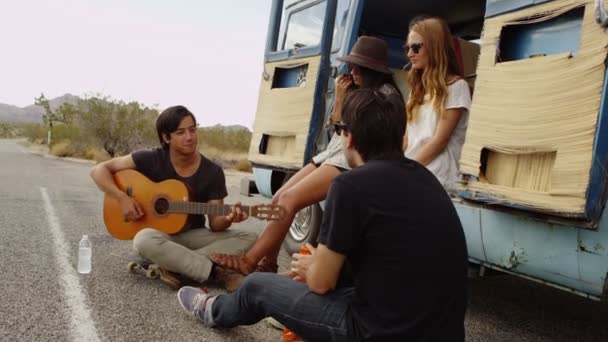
[(102, 175), (340, 233), (440, 139), (220, 223), (218, 192), (324, 270)]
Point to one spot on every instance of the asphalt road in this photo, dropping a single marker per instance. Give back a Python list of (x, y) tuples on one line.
[(47, 204)]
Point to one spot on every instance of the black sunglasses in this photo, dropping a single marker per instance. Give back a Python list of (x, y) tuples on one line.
[(339, 128), (414, 46)]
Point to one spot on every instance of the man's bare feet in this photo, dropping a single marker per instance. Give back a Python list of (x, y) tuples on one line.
[(238, 263)]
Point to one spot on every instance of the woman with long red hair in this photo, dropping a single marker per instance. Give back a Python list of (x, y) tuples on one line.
[(439, 100)]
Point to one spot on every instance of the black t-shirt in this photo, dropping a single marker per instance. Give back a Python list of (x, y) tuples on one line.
[(403, 239), (207, 183)]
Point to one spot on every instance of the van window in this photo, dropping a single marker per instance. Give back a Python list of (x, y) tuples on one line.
[(305, 27), (537, 37), (340, 24)]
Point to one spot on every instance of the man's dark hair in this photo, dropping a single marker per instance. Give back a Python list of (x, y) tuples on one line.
[(377, 123), (168, 121)]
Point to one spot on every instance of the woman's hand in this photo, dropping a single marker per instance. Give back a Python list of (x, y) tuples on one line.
[(343, 82), (439, 141)]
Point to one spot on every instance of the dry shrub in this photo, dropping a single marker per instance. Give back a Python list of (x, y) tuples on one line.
[(96, 155), (227, 159), (244, 165), (62, 149), (89, 154)]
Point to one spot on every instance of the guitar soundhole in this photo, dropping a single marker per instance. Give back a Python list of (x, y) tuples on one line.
[(161, 206)]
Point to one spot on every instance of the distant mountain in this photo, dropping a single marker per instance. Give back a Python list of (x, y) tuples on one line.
[(32, 113), (230, 127)]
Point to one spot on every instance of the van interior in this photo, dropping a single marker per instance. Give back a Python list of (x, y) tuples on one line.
[(390, 19)]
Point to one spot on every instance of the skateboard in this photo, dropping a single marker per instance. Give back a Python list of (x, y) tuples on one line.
[(153, 271)]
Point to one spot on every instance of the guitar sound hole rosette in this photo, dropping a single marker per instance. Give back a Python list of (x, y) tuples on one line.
[(161, 206)]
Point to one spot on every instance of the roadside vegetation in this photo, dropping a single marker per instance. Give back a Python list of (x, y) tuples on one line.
[(227, 147), (99, 128), (9, 130)]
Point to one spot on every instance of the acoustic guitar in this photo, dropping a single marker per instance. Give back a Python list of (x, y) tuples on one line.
[(166, 206)]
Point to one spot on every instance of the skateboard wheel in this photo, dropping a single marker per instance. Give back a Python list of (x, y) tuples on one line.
[(132, 266), (152, 273)]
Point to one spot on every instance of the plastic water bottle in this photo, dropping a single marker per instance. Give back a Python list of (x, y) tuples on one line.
[(85, 252)]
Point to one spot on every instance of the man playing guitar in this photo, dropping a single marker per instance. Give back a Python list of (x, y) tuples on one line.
[(178, 158)]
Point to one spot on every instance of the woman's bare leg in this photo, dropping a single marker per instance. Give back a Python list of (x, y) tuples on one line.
[(298, 176), (311, 189)]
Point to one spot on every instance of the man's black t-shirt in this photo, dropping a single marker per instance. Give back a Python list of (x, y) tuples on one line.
[(207, 183), (402, 237)]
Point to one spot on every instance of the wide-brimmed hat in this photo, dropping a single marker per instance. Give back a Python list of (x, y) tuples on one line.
[(369, 52)]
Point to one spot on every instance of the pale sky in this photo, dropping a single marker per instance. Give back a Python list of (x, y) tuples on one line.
[(204, 54)]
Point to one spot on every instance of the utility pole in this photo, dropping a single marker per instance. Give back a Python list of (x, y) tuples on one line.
[(48, 116), (48, 139)]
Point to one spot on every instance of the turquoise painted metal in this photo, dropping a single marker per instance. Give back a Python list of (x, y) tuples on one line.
[(564, 256), (263, 179)]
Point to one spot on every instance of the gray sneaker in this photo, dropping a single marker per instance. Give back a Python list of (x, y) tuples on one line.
[(197, 303)]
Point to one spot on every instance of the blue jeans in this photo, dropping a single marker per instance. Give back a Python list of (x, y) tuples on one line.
[(312, 316)]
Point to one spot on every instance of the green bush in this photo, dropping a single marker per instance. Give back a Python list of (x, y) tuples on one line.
[(9, 130), (65, 132), (36, 133), (225, 139)]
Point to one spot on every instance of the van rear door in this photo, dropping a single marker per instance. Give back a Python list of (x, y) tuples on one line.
[(290, 107)]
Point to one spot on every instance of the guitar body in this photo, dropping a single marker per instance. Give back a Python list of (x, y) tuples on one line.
[(151, 196)]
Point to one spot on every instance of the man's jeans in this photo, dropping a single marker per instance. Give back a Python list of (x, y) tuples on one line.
[(312, 316), (187, 253)]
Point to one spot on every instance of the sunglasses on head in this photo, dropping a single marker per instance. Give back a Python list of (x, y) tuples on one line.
[(414, 46), (339, 128)]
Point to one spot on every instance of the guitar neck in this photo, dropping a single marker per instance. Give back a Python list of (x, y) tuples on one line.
[(195, 208)]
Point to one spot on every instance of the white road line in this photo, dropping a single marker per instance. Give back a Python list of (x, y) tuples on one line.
[(82, 325)]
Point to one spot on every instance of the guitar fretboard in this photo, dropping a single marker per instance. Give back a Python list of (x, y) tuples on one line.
[(203, 208)]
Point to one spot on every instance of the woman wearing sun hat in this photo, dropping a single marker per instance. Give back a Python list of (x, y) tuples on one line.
[(368, 69)]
